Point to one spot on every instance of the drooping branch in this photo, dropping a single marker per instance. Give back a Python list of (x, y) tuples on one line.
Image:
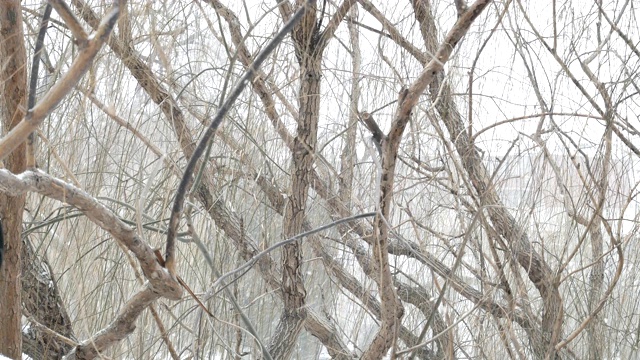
[(215, 123), (81, 64)]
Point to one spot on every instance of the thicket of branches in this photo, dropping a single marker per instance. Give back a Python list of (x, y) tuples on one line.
[(313, 179)]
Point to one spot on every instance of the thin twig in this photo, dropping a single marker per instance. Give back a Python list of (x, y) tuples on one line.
[(264, 252), (211, 130), (62, 88)]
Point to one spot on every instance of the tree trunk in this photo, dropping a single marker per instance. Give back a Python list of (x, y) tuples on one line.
[(13, 98)]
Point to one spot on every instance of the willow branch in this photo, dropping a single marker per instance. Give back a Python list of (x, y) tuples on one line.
[(62, 88), (45, 184), (211, 130), (33, 81), (70, 20)]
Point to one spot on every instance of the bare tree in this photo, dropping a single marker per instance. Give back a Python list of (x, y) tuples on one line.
[(343, 179)]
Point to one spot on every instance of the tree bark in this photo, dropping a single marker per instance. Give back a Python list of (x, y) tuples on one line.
[(13, 80), (43, 303), (309, 58)]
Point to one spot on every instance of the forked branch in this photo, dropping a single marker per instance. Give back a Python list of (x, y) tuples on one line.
[(44, 184), (211, 130), (391, 306)]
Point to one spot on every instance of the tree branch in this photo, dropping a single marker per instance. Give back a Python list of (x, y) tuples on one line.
[(215, 123), (120, 328), (78, 68), (70, 20), (37, 181), (33, 81)]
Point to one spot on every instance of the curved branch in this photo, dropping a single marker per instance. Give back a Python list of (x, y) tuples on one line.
[(37, 181), (262, 253), (120, 328), (33, 81), (211, 130)]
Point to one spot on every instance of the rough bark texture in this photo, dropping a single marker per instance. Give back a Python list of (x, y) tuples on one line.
[(160, 283), (13, 83), (596, 284), (42, 302), (520, 265), (305, 36), (391, 309), (596, 276), (309, 44)]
